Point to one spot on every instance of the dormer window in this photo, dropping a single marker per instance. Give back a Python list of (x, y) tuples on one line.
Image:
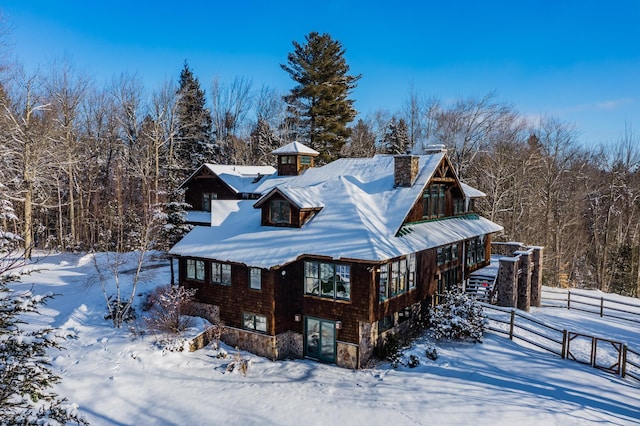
[(280, 212)]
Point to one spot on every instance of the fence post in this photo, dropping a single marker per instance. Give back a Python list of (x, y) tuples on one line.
[(513, 317), (623, 362), (601, 307), (568, 299), (594, 349), (563, 352)]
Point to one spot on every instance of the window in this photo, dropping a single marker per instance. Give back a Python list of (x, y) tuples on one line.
[(411, 260), (254, 322), (448, 279), (384, 281), (433, 201), (305, 160), (195, 269), (329, 280), (287, 159), (206, 201), (404, 315), (220, 273), (476, 251), (280, 211), (458, 206), (255, 278), (385, 323), (397, 277)]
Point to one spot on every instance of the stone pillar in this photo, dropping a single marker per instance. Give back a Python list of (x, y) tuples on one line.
[(524, 281), (506, 249), (536, 276), (507, 276)]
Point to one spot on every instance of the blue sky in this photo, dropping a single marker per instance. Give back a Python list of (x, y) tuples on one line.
[(575, 60)]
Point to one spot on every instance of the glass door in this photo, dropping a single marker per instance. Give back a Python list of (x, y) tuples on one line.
[(320, 339)]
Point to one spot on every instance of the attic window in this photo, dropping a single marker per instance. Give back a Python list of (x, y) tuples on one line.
[(280, 211)]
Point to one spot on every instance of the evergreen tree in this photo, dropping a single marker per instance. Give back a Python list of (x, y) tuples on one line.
[(194, 144), (263, 141), (396, 139), (319, 103), (25, 376)]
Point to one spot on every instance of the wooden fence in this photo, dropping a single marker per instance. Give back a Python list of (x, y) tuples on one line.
[(600, 305), (604, 354)]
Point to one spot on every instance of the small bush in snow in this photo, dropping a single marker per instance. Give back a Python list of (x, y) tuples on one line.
[(458, 317), (431, 352), (239, 364), (413, 361), (391, 350), (120, 309), (165, 305)]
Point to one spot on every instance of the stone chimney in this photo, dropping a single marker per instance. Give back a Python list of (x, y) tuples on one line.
[(405, 169)]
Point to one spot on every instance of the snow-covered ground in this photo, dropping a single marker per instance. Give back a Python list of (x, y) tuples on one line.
[(122, 378)]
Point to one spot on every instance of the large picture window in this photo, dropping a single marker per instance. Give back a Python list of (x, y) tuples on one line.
[(254, 322), (195, 269), (397, 277), (476, 251), (328, 280), (433, 201), (280, 211), (220, 273)]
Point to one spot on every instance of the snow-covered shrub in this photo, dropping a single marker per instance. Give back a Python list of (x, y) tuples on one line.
[(457, 317), (431, 352), (121, 309), (391, 350), (165, 305), (413, 361)]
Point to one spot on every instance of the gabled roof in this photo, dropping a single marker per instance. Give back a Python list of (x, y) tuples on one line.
[(295, 148), (303, 198), (361, 218), (240, 179)]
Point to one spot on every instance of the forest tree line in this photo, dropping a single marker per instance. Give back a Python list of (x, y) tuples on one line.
[(90, 167)]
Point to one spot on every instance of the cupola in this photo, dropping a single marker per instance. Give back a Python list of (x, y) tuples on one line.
[(294, 158)]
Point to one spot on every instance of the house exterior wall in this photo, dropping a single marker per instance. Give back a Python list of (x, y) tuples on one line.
[(211, 184), (234, 300)]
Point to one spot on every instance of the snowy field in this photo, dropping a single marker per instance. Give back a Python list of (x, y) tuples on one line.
[(118, 378)]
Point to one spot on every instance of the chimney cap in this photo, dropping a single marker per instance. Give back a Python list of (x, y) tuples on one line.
[(435, 148)]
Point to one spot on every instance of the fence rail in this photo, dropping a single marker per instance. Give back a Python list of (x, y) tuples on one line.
[(605, 307), (605, 354)]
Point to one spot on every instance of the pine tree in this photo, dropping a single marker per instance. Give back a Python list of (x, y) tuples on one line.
[(396, 139), (194, 144), (25, 374), (263, 141), (319, 103)]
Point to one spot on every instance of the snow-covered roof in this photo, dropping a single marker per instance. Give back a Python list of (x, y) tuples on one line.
[(295, 148), (303, 198), (361, 218), (471, 192), (241, 179)]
